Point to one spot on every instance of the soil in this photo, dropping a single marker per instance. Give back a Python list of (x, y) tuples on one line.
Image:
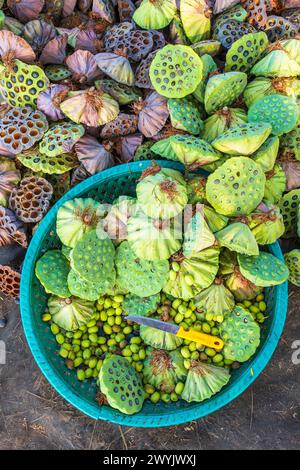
[(34, 416)]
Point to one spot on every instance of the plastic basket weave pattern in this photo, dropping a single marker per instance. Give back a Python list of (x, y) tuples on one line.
[(105, 187)]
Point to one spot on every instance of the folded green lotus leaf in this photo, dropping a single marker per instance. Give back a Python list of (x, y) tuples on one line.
[(93, 256), (185, 115), (195, 273), (292, 259), (123, 94), (121, 385), (195, 17), (264, 270), (266, 155), (276, 64), (239, 238), (264, 86), (281, 112), (197, 236), (223, 89), (175, 71), (209, 66), (154, 14), (241, 288), (192, 151), (245, 52), (164, 369), (275, 184), (289, 204), (266, 224), (222, 120), (141, 277), (154, 239), (162, 194), (241, 335), (216, 300), (292, 47), (135, 305), (66, 250), (164, 149), (158, 339), (70, 313), (204, 381), (236, 188), (243, 139), (52, 271), (196, 188), (77, 217), (214, 220), (209, 46), (177, 34)]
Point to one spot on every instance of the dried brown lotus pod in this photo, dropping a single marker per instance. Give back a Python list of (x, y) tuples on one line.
[(142, 79), (13, 47), (60, 184), (4, 108), (55, 51), (115, 33), (12, 229), (93, 155), (9, 282), (21, 128), (83, 67), (26, 10), (158, 39), (257, 11), (126, 8), (31, 199), (138, 44), (124, 124), (9, 178)]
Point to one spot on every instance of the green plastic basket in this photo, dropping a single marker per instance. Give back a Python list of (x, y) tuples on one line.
[(106, 186)]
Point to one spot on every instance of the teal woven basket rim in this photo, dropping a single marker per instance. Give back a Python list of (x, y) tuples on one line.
[(175, 415)]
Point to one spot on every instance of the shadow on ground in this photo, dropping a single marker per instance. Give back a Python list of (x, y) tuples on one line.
[(33, 416)]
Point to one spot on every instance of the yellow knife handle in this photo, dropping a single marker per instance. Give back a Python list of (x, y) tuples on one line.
[(202, 338)]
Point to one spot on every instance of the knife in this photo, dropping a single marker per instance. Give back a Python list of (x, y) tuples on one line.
[(192, 335)]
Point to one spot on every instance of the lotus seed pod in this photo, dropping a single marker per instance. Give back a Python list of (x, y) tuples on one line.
[(164, 369), (244, 139), (221, 121), (113, 33), (52, 271), (159, 339), (289, 204), (239, 286), (196, 189), (245, 52), (216, 299), (123, 124), (197, 236), (66, 251), (266, 224), (184, 115), (280, 111), (21, 128), (83, 67), (276, 64), (163, 194), (292, 259), (31, 199), (138, 44), (56, 73), (236, 188), (203, 268), (264, 270), (126, 8), (266, 155), (264, 86), (239, 238), (76, 218), (38, 162), (229, 31), (9, 282), (70, 313), (9, 178), (223, 89), (241, 335), (90, 107), (214, 220), (209, 66), (116, 66), (145, 306), (257, 11), (93, 257), (121, 385), (144, 152), (123, 94), (278, 28), (275, 185), (87, 290), (115, 223), (192, 151), (141, 277), (153, 239), (290, 143), (203, 381), (60, 138), (189, 71), (22, 85), (60, 184), (154, 14), (210, 46), (12, 229)]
